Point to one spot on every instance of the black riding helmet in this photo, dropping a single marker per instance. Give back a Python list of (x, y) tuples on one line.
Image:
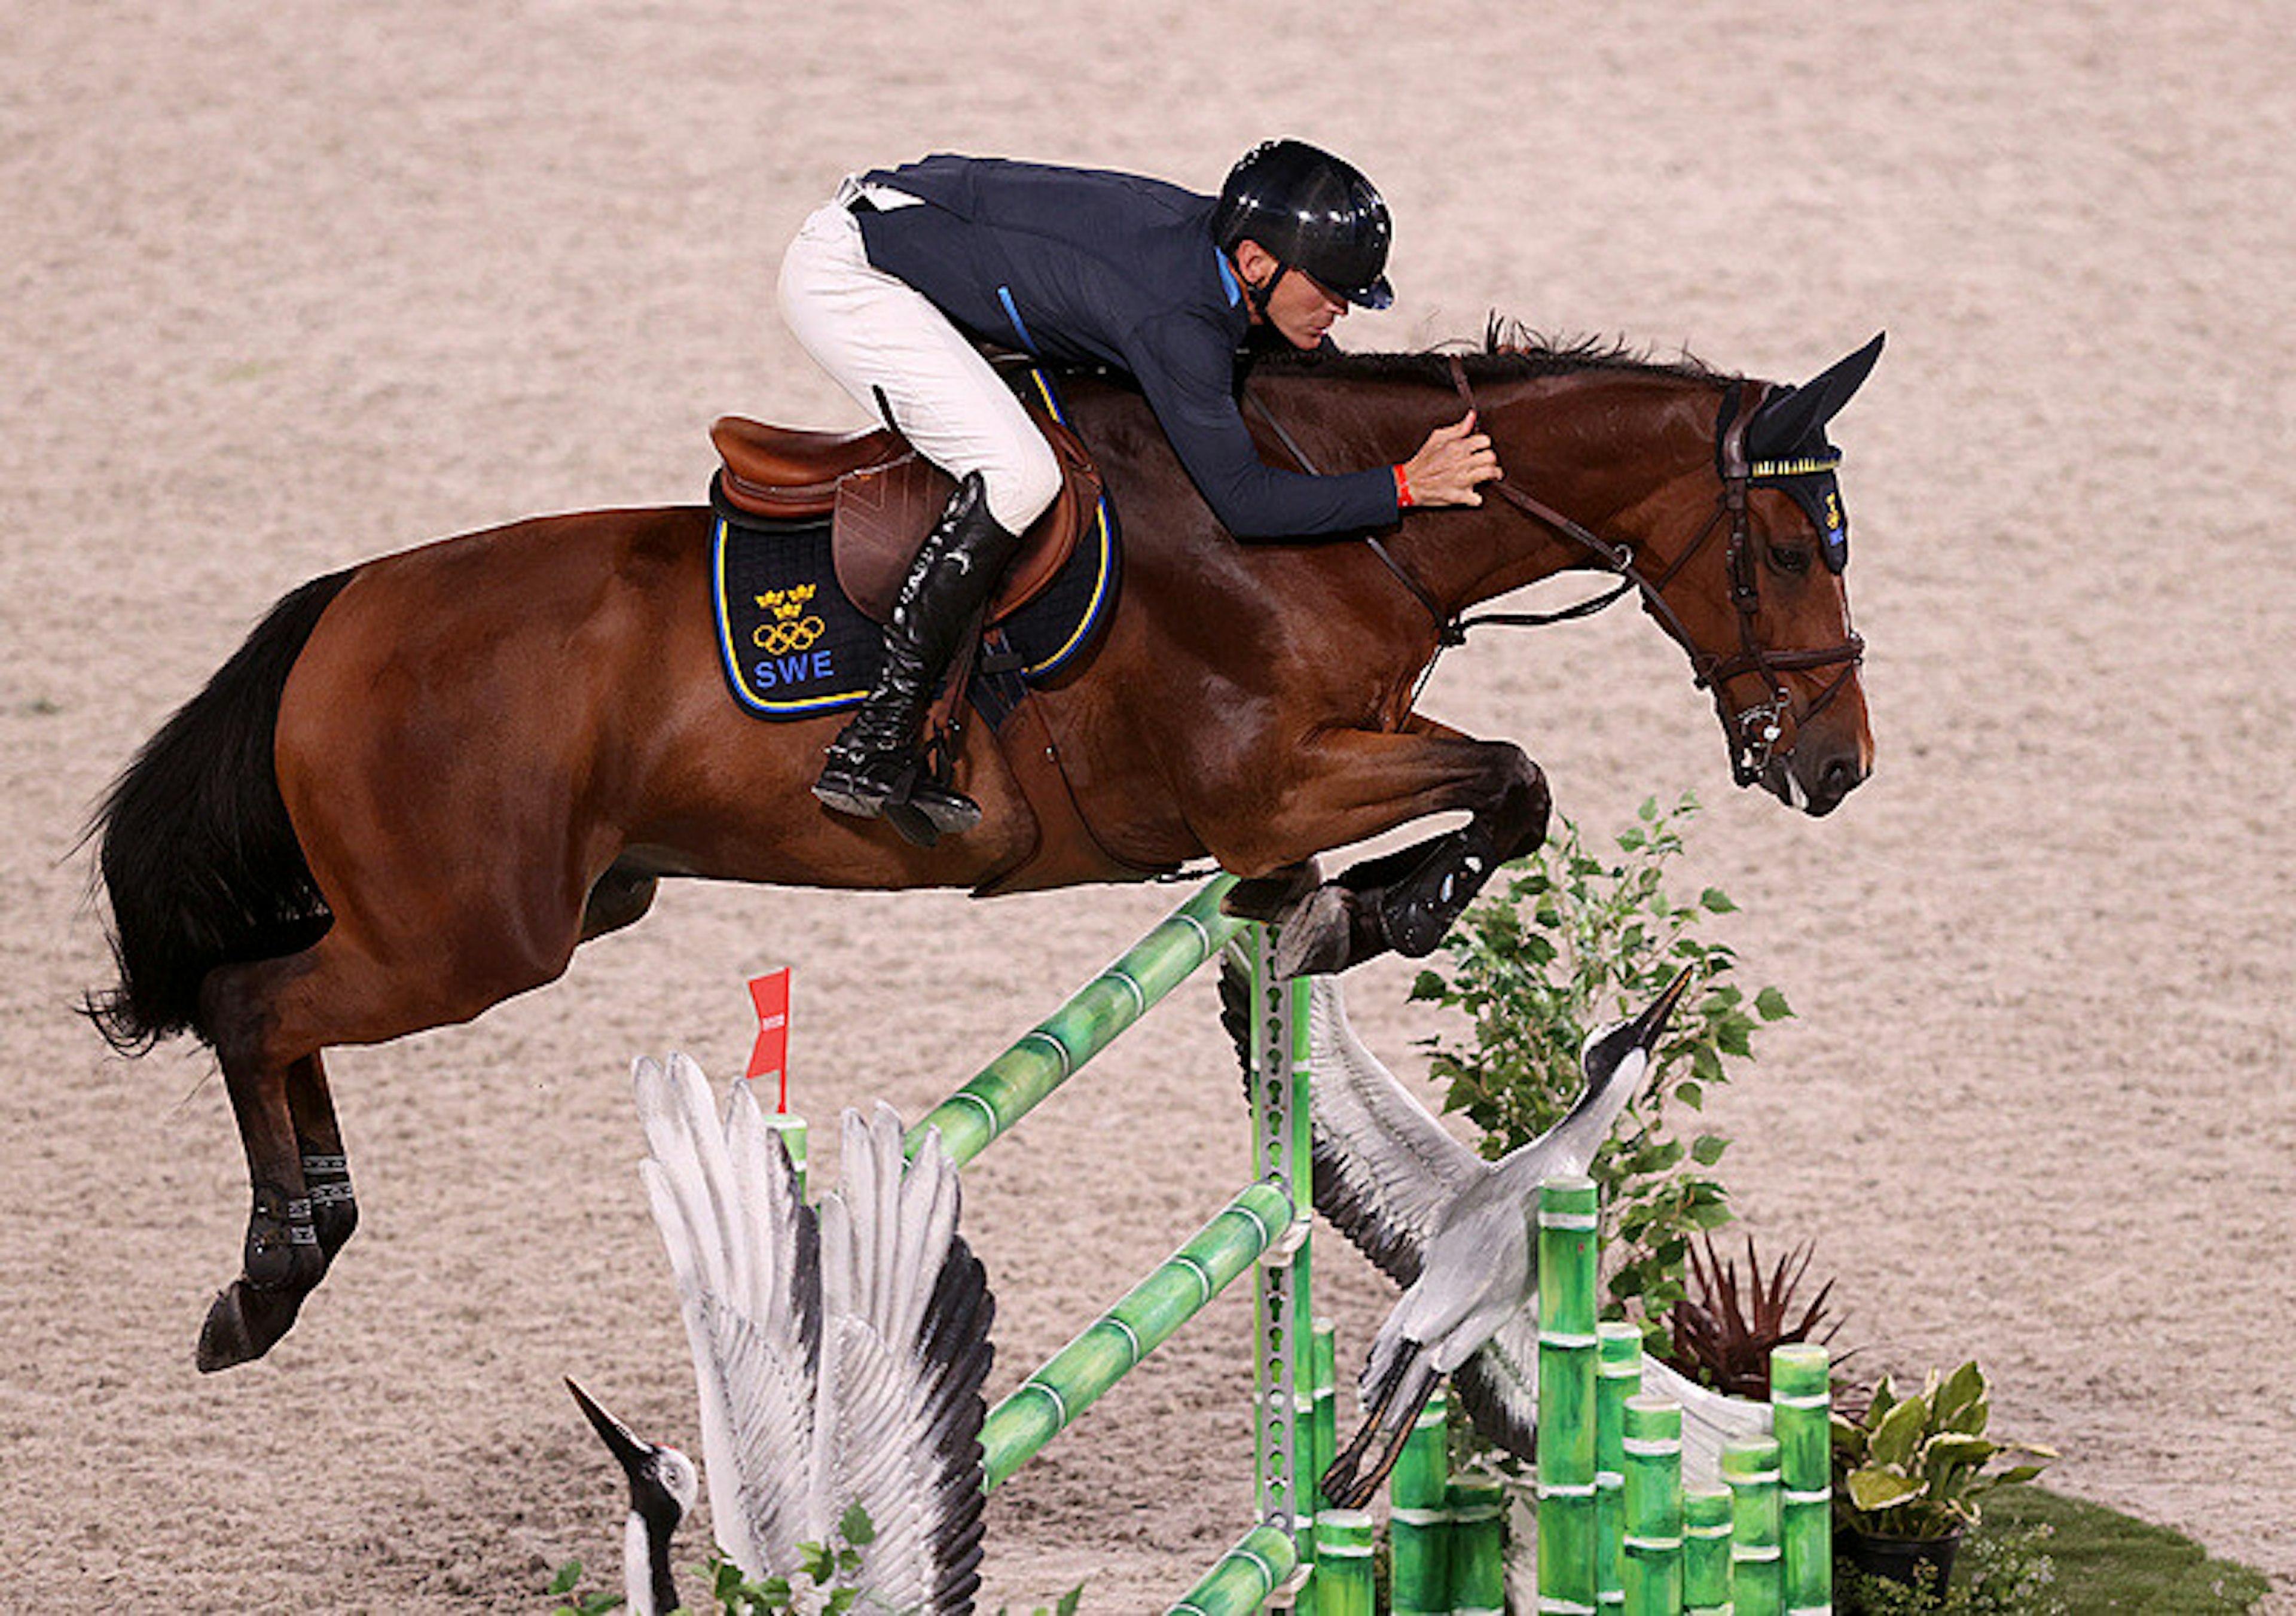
[(1315, 213)]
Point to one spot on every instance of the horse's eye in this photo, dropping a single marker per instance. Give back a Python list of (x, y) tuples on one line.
[(1789, 558)]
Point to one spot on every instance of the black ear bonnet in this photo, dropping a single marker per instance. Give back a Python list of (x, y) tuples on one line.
[(1787, 448)]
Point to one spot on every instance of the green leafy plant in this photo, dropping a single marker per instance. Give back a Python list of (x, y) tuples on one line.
[(1916, 1466), (1722, 1332), (829, 1568), (1571, 942), (1067, 1605), (566, 1587)]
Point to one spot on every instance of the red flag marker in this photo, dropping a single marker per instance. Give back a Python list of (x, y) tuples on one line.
[(770, 993)]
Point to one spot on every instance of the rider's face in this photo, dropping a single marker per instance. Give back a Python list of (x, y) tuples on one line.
[(1298, 308), (1302, 310)]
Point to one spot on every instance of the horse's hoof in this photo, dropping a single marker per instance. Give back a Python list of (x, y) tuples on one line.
[(1316, 938), (243, 1323)]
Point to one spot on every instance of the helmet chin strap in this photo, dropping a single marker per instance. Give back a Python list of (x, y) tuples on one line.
[(1257, 297)]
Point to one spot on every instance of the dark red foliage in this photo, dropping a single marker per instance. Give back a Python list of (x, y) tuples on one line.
[(1723, 1329)]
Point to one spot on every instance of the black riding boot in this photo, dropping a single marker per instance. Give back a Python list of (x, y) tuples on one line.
[(873, 761)]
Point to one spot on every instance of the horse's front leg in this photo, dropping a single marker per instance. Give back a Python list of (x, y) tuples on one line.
[(1358, 783)]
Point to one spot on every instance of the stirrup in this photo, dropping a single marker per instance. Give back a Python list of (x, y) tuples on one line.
[(849, 788)]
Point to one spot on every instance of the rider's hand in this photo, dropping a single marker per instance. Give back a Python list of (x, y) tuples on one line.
[(1450, 465)]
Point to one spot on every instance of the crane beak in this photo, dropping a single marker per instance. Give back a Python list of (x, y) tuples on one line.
[(1648, 1028), (619, 1439)]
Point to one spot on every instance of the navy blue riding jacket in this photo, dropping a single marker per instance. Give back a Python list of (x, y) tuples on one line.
[(1083, 265)]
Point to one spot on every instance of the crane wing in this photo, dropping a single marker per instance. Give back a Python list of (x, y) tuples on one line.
[(905, 1352), (1499, 1387), (744, 1249), (1385, 1169)]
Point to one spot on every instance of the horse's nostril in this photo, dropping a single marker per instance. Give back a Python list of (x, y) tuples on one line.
[(1836, 780)]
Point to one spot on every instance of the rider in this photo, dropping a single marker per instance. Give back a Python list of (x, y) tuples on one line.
[(890, 286)]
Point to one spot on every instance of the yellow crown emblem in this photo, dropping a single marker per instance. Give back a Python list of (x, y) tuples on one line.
[(787, 603)]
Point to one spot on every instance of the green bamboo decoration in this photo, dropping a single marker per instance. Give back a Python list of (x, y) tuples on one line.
[(1618, 1376), (1109, 1348), (1343, 1584), (1749, 1468), (1018, 1081), (1328, 1591), (1478, 1548), (1705, 1552), (1568, 1562), (1801, 1410), (1324, 1407), (1652, 1496), (1283, 1320), (1245, 1577), (1419, 1529)]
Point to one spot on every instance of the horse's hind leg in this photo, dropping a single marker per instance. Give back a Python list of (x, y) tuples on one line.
[(282, 1258), (326, 1166), (269, 1019)]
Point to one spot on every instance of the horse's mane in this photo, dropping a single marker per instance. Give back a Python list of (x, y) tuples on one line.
[(1509, 350)]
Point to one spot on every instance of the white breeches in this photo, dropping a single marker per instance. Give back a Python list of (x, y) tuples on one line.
[(882, 341)]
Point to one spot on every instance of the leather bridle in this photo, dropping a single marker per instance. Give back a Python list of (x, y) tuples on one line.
[(1752, 731)]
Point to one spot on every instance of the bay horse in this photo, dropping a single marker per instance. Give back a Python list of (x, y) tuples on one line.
[(423, 781)]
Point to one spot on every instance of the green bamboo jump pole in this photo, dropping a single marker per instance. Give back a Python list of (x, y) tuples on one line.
[(1343, 1584), (1801, 1405), (1705, 1551), (1651, 1497), (1476, 1552), (1015, 1082), (1245, 1577), (1749, 1468), (1419, 1519), (1618, 1376), (1567, 1279), (1111, 1346)]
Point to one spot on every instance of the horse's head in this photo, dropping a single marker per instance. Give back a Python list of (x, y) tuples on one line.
[(1758, 597)]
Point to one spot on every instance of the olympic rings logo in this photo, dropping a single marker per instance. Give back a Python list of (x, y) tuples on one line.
[(782, 637)]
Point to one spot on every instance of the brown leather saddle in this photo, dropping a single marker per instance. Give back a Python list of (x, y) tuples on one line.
[(882, 497)]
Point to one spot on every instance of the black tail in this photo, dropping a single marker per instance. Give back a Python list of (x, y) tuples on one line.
[(195, 851)]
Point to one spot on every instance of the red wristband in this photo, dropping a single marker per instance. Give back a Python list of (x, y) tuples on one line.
[(1402, 488)]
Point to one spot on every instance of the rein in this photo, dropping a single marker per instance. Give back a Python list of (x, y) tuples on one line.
[(1753, 731)]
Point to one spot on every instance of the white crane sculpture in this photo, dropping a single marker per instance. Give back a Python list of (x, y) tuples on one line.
[(1458, 1232), (839, 1355)]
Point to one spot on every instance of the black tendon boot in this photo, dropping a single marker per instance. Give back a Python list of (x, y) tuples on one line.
[(873, 761)]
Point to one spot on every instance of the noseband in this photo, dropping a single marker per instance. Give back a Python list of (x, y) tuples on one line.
[(1753, 731)]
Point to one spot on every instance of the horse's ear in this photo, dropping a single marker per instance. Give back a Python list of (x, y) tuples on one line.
[(1791, 420)]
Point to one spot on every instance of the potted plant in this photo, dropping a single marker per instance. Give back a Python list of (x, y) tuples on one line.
[(1908, 1474)]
